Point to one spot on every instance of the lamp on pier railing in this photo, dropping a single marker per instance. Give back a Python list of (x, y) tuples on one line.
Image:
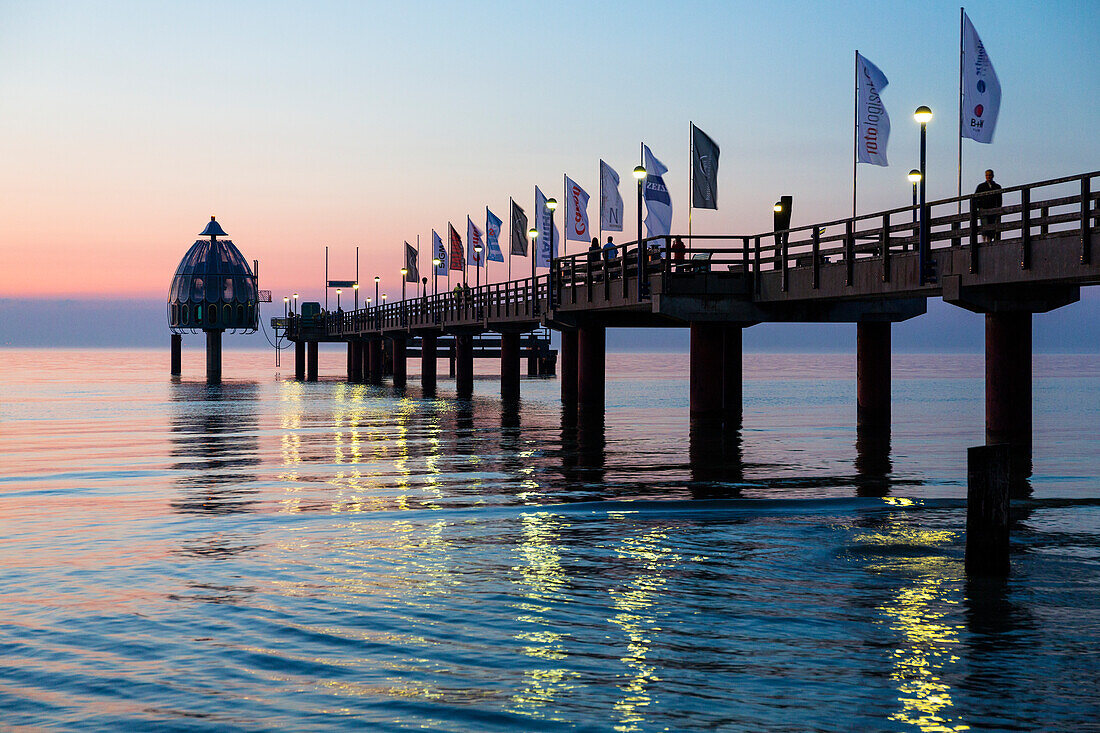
[(338, 291), (914, 178), (922, 115), (295, 308), (533, 234), (355, 287), (551, 205), (376, 279), (436, 262), (477, 258), (404, 276), (286, 301), (639, 175)]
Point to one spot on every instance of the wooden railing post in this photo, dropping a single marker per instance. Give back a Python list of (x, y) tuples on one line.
[(1086, 220), (974, 246), (850, 251), (756, 264), (1025, 228), (885, 248), (815, 259)]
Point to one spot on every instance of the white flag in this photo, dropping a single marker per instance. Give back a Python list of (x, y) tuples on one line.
[(544, 253), (981, 92), (611, 203), (576, 212), (658, 204), (872, 122)]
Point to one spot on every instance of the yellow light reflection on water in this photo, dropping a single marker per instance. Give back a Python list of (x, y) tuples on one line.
[(635, 605), (918, 613), (544, 582)]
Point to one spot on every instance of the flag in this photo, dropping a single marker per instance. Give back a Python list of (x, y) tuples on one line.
[(456, 257), (519, 231), (547, 249), (704, 170), (473, 243), (492, 237), (576, 212), (440, 254), (658, 204), (981, 91), (872, 122), (611, 203), (411, 274)]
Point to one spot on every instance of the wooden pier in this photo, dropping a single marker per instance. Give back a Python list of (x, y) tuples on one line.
[(865, 270)]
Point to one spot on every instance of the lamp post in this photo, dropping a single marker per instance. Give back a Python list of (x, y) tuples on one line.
[(295, 308), (639, 176), (533, 234), (338, 291), (436, 262), (922, 115), (404, 277), (914, 177), (551, 205), (477, 258), (376, 279), (355, 287), (286, 300)]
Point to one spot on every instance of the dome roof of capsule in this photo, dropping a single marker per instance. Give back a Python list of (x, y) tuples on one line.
[(214, 286)]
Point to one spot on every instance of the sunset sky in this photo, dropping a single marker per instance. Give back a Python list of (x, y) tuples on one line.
[(126, 125)]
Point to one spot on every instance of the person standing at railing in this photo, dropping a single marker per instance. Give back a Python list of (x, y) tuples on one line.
[(678, 250), (610, 252), (987, 199)]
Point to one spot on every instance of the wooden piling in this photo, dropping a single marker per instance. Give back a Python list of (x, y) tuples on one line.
[(988, 473)]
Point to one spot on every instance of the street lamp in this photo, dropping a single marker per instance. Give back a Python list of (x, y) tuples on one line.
[(551, 204), (477, 258), (533, 234), (404, 277), (914, 178), (436, 262), (286, 300), (639, 176), (295, 308), (338, 291), (356, 288), (922, 115), (376, 279)]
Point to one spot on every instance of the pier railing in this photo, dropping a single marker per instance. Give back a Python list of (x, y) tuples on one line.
[(591, 279)]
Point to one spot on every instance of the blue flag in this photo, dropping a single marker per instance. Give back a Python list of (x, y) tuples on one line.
[(492, 236), (658, 204)]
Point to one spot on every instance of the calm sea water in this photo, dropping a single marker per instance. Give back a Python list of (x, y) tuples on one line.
[(267, 555)]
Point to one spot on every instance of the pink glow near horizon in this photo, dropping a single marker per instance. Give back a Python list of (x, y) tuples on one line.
[(363, 126)]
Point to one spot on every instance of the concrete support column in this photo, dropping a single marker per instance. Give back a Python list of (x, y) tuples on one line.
[(400, 363), (509, 366), (177, 355), (873, 376), (311, 361), (464, 365), (707, 370), (375, 369), (300, 360), (1008, 380), (591, 342), (351, 361), (427, 363), (213, 356), (569, 366), (732, 407)]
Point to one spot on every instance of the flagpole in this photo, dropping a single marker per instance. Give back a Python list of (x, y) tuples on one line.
[(959, 188), (855, 131), (511, 223), (599, 227), (691, 175)]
